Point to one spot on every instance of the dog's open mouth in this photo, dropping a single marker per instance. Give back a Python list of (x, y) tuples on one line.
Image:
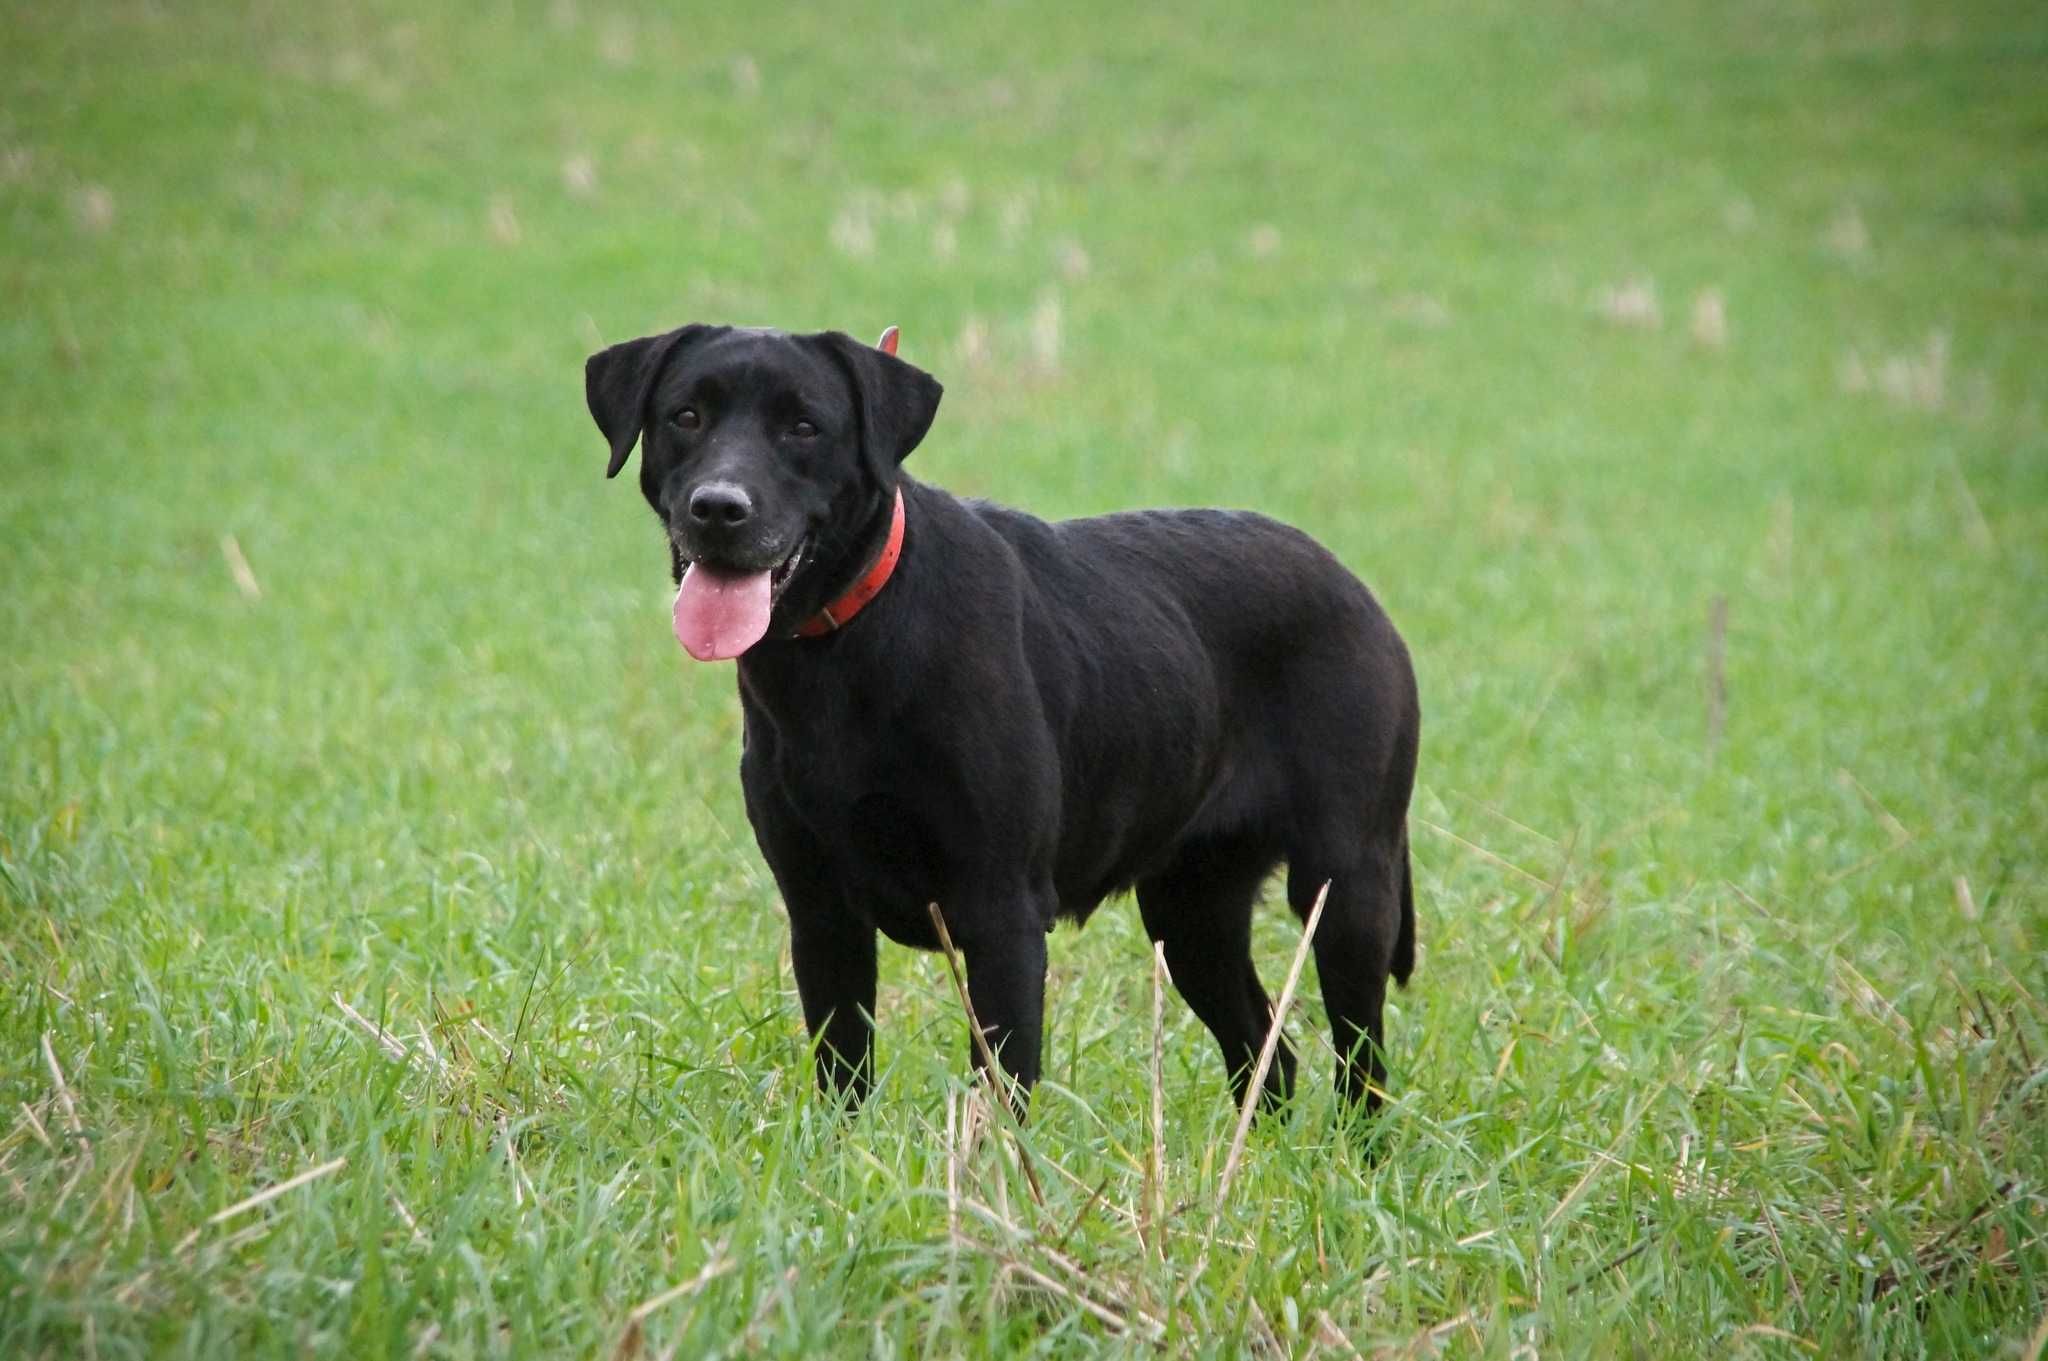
[(720, 612), (779, 579)]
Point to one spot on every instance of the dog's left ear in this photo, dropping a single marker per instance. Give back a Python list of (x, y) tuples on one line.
[(897, 401), (616, 383)]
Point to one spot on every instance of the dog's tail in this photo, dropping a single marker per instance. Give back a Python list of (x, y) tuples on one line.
[(1404, 944)]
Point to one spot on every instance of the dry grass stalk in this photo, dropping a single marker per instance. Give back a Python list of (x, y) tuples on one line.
[(1893, 828), (1425, 1340), (1717, 681), (1501, 814), (522, 1185), (1046, 331), (238, 567), (451, 1069), (1874, 1003), (1633, 303), (270, 1193), (750, 1340), (1266, 1051), (1082, 1287), (952, 1166), (504, 1049), (1264, 1341), (258, 1200), (36, 1127), (386, 1041), (1081, 1215), (1254, 1089), (1331, 1337), (1546, 909), (1766, 1330), (991, 1072), (504, 221), (405, 1214), (427, 1047), (2038, 1340), (1619, 1259), (1084, 1278), (1837, 876), (1769, 1222), (1710, 319), (1847, 235), (1484, 853), (1946, 1255), (1155, 1162), (1976, 529), (64, 1102), (630, 1340), (1694, 1180), (1599, 1164), (1108, 1317), (94, 208)]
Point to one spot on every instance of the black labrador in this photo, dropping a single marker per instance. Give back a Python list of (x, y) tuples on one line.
[(951, 702)]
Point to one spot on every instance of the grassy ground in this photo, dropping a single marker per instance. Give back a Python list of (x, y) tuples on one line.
[(360, 821)]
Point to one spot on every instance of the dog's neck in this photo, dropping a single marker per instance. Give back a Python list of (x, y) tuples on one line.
[(850, 568), (880, 564)]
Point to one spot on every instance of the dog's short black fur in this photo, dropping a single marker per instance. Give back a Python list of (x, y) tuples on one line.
[(1030, 717)]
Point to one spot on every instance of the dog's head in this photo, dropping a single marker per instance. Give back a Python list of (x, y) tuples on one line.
[(767, 456)]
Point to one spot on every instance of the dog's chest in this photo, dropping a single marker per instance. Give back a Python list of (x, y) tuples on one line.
[(867, 801), (830, 762), (821, 753)]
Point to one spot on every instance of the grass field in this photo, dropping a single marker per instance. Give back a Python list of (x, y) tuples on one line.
[(361, 822)]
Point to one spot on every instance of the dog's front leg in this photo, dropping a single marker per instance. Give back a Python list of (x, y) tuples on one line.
[(835, 979), (1006, 983)]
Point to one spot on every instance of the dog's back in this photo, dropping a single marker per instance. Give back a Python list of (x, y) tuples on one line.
[(1236, 635)]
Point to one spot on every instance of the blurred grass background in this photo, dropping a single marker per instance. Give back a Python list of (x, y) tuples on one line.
[(337, 678)]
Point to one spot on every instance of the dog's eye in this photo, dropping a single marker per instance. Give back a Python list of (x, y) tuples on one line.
[(686, 419), (803, 430)]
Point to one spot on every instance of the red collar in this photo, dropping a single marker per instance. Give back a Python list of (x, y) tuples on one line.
[(834, 616)]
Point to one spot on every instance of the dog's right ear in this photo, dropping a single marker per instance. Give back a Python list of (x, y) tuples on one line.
[(617, 381), (897, 400)]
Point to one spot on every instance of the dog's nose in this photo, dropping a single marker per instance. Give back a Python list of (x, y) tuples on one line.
[(721, 504)]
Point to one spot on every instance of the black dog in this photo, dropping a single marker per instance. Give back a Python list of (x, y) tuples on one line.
[(1024, 718)]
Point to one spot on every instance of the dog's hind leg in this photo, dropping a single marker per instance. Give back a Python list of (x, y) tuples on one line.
[(1200, 908), (1357, 945)]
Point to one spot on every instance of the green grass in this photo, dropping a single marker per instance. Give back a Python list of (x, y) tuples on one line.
[(1704, 1054)]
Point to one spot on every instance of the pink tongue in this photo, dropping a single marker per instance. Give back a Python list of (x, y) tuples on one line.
[(721, 614)]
